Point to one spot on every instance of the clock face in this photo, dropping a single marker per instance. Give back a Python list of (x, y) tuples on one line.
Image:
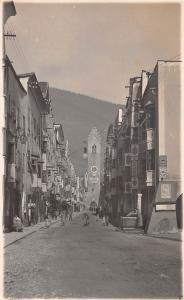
[(93, 169)]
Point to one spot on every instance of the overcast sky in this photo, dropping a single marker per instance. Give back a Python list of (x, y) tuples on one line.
[(93, 49)]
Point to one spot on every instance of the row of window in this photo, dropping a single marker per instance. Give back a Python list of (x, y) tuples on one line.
[(33, 125)]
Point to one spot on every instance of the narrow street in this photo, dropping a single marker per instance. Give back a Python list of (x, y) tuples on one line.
[(92, 261)]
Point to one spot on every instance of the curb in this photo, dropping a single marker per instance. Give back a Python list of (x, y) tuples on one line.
[(29, 233), (165, 238), (148, 235)]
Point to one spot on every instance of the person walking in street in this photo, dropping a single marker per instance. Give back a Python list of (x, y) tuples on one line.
[(64, 210), (46, 219), (17, 224), (106, 214), (70, 213), (85, 219)]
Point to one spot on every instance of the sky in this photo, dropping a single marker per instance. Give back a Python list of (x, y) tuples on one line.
[(92, 49)]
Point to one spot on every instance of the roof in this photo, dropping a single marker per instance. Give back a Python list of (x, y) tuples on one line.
[(30, 81), (9, 64), (9, 10), (44, 87)]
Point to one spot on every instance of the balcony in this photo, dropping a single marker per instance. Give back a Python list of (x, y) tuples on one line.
[(11, 172), (150, 138)]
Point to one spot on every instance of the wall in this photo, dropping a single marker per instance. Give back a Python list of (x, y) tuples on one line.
[(169, 110)]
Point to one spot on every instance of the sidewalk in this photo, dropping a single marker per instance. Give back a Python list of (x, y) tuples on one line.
[(12, 237), (172, 236), (175, 236)]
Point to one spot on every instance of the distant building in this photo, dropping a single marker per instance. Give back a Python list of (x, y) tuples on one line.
[(94, 162)]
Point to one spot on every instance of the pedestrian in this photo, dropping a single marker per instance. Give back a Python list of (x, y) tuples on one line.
[(85, 219), (47, 224), (106, 214), (70, 213), (17, 224), (64, 209)]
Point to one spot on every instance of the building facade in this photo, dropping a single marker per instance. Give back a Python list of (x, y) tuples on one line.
[(143, 158)]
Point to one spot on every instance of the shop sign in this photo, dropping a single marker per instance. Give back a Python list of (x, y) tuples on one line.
[(166, 191)]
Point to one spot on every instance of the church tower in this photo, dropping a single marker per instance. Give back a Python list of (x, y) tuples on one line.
[(94, 162)]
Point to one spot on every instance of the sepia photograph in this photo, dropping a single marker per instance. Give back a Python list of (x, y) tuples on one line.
[(91, 165)]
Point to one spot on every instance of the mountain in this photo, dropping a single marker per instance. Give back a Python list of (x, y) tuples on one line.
[(78, 114)]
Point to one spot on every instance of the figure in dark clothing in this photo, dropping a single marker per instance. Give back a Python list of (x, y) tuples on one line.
[(106, 214), (70, 213), (64, 212), (85, 219)]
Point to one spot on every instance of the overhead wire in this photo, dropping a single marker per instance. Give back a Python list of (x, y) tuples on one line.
[(16, 52), (18, 48)]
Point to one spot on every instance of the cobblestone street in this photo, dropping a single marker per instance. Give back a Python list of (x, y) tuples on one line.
[(94, 261)]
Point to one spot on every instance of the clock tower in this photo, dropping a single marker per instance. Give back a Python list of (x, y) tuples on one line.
[(94, 162)]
